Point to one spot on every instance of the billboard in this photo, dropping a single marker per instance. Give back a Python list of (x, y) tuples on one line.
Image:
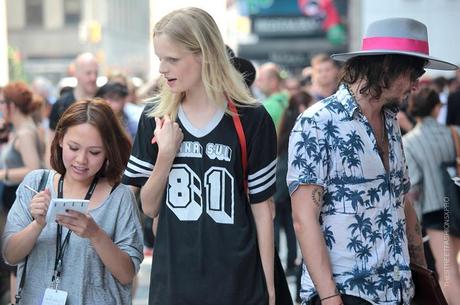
[(290, 32)]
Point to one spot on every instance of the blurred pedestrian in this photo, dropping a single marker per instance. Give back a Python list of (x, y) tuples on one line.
[(298, 103), (453, 109), (324, 76), (292, 85), (24, 150), (115, 94), (269, 82), (86, 71), (427, 147)]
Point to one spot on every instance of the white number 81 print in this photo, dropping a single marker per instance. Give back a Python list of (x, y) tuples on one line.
[(184, 195)]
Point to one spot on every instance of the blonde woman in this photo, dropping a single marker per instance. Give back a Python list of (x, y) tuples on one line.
[(214, 243)]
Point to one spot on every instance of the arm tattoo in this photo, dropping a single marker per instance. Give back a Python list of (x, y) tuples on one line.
[(317, 196), (417, 255), (415, 244), (418, 229)]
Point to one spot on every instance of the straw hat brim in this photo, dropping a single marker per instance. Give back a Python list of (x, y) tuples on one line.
[(433, 63)]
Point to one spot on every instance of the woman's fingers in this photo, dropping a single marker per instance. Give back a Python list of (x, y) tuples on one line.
[(37, 211)]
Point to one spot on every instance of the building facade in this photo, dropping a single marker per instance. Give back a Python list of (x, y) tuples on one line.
[(49, 34)]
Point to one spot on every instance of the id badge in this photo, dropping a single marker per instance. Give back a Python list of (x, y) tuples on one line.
[(54, 297)]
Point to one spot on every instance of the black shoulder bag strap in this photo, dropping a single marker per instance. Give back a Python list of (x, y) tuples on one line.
[(41, 187)]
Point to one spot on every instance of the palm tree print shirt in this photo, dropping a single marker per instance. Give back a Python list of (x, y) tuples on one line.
[(332, 145)]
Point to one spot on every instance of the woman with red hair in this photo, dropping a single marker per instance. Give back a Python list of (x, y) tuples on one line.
[(24, 150)]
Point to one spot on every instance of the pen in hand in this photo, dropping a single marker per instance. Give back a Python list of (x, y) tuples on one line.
[(30, 188)]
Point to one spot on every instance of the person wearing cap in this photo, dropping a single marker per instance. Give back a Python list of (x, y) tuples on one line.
[(115, 94), (348, 176)]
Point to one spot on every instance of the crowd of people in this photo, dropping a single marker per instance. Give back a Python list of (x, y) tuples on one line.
[(347, 159)]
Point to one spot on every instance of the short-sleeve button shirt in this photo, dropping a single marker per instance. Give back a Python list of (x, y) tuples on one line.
[(333, 145)]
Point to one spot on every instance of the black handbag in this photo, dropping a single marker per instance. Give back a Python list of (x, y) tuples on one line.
[(451, 199), (41, 187), (427, 289)]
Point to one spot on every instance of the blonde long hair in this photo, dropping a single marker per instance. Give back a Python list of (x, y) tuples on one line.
[(196, 31)]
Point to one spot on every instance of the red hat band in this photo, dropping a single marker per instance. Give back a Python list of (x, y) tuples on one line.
[(395, 43)]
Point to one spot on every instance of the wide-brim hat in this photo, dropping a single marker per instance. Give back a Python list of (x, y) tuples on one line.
[(397, 36)]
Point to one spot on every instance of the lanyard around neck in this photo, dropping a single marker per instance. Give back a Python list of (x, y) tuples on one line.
[(61, 246)]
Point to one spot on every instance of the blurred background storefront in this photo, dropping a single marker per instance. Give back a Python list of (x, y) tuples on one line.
[(42, 37), (290, 32)]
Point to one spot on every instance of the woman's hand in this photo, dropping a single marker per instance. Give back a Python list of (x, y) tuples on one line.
[(39, 207), (168, 136), (81, 224)]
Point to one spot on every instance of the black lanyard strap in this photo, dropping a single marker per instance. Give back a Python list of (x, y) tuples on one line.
[(62, 246), (89, 193)]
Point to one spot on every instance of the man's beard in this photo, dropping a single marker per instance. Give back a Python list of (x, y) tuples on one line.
[(392, 103), (395, 102)]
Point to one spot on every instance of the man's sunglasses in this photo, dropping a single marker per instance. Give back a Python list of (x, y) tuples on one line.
[(416, 74)]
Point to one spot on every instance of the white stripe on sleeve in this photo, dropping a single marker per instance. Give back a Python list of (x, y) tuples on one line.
[(140, 162)]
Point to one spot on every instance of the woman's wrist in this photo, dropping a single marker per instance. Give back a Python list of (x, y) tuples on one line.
[(37, 225), (97, 236)]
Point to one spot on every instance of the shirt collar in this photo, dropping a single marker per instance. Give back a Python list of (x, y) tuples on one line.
[(347, 100), (429, 121)]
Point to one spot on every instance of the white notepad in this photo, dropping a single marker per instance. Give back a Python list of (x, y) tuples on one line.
[(59, 206)]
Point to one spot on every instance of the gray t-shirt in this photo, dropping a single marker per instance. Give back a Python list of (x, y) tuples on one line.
[(84, 276)]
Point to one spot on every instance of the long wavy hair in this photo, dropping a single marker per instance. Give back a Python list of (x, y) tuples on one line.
[(379, 71), (289, 118), (196, 31)]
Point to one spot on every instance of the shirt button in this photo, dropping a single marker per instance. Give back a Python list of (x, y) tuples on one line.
[(396, 273)]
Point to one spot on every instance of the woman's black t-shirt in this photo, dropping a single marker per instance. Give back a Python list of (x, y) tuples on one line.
[(206, 248)]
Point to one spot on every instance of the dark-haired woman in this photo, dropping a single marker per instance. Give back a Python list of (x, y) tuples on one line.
[(91, 257), (427, 146), (283, 219)]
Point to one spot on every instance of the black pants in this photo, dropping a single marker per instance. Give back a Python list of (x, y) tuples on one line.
[(346, 299), (283, 219)]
